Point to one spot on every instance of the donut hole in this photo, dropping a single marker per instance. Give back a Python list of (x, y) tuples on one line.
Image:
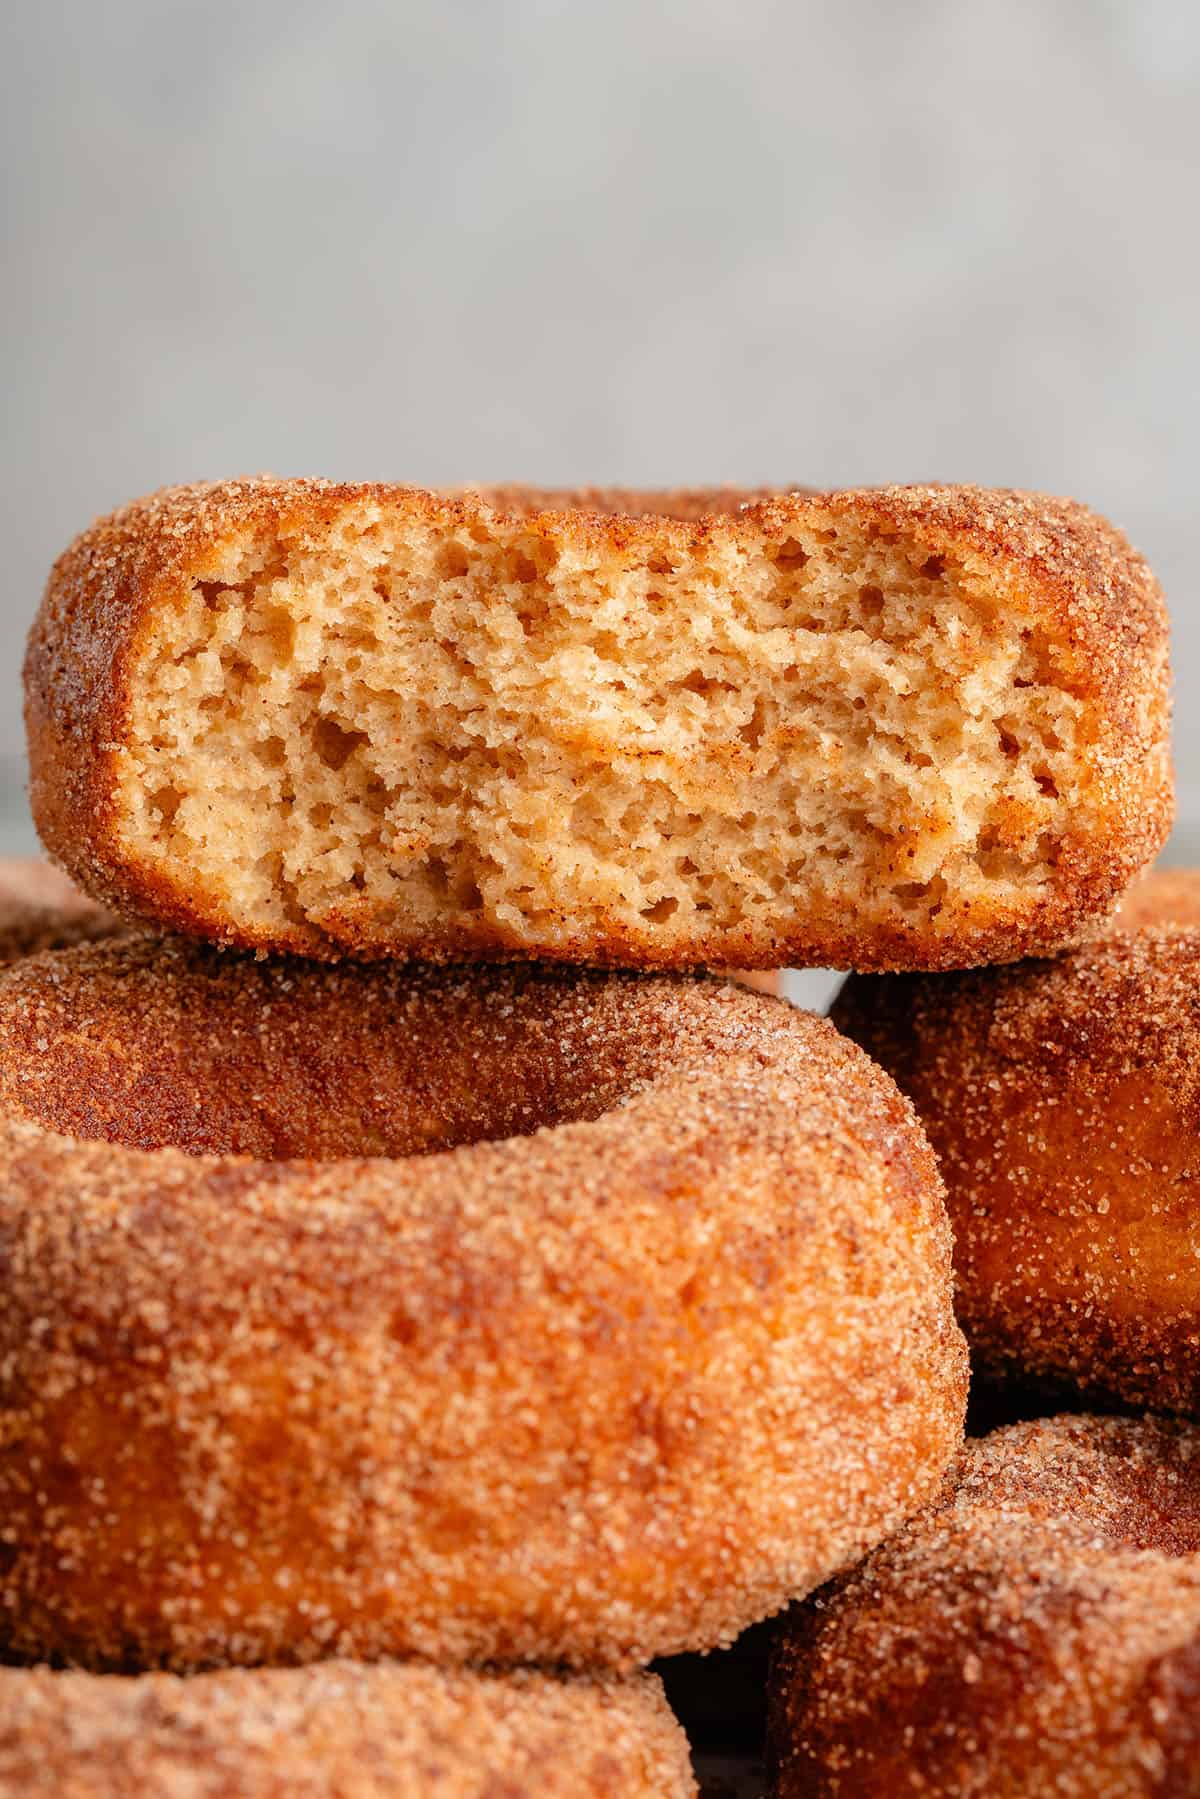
[(172, 1046)]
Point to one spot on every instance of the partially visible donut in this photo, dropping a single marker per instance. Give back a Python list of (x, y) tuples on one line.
[(674, 1349), (1034, 1633), (337, 1730), (41, 908), (1063, 1101), (1164, 897)]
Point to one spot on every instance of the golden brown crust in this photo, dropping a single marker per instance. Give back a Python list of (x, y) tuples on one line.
[(1034, 1632), (1050, 559), (1063, 1100), (339, 1730), (683, 505), (605, 1391), (40, 908)]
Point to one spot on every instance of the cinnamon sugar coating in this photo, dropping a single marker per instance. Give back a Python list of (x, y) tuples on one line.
[(1063, 1101), (657, 1335), (903, 727), (338, 1730), (1034, 1634)]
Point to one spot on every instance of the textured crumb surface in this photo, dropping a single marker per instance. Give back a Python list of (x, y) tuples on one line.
[(656, 1336), (40, 908), (909, 727), (340, 1730), (1063, 1100), (1034, 1633)]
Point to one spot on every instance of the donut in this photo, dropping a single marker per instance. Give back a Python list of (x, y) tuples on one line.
[(504, 1315), (1063, 1101), (337, 1730), (910, 727), (41, 909), (1034, 1632), (1166, 896)]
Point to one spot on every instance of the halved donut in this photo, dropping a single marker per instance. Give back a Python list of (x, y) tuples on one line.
[(511, 1315), (904, 727)]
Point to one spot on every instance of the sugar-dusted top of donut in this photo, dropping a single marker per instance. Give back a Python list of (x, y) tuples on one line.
[(1054, 1510), (1124, 1003), (161, 1042)]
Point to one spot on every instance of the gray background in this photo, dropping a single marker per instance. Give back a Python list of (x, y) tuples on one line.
[(700, 240)]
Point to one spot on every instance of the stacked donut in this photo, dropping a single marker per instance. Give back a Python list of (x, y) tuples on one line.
[(1037, 1629), (429, 1297)]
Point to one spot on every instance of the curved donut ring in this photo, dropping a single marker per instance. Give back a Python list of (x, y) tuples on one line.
[(658, 1334)]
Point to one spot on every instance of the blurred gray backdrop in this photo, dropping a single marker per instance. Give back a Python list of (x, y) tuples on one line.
[(687, 241)]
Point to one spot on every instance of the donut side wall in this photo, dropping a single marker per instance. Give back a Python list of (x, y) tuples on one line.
[(1063, 1101), (370, 720), (1035, 1631), (354, 1730)]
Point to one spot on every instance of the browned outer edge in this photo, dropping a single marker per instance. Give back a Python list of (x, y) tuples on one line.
[(1052, 558)]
